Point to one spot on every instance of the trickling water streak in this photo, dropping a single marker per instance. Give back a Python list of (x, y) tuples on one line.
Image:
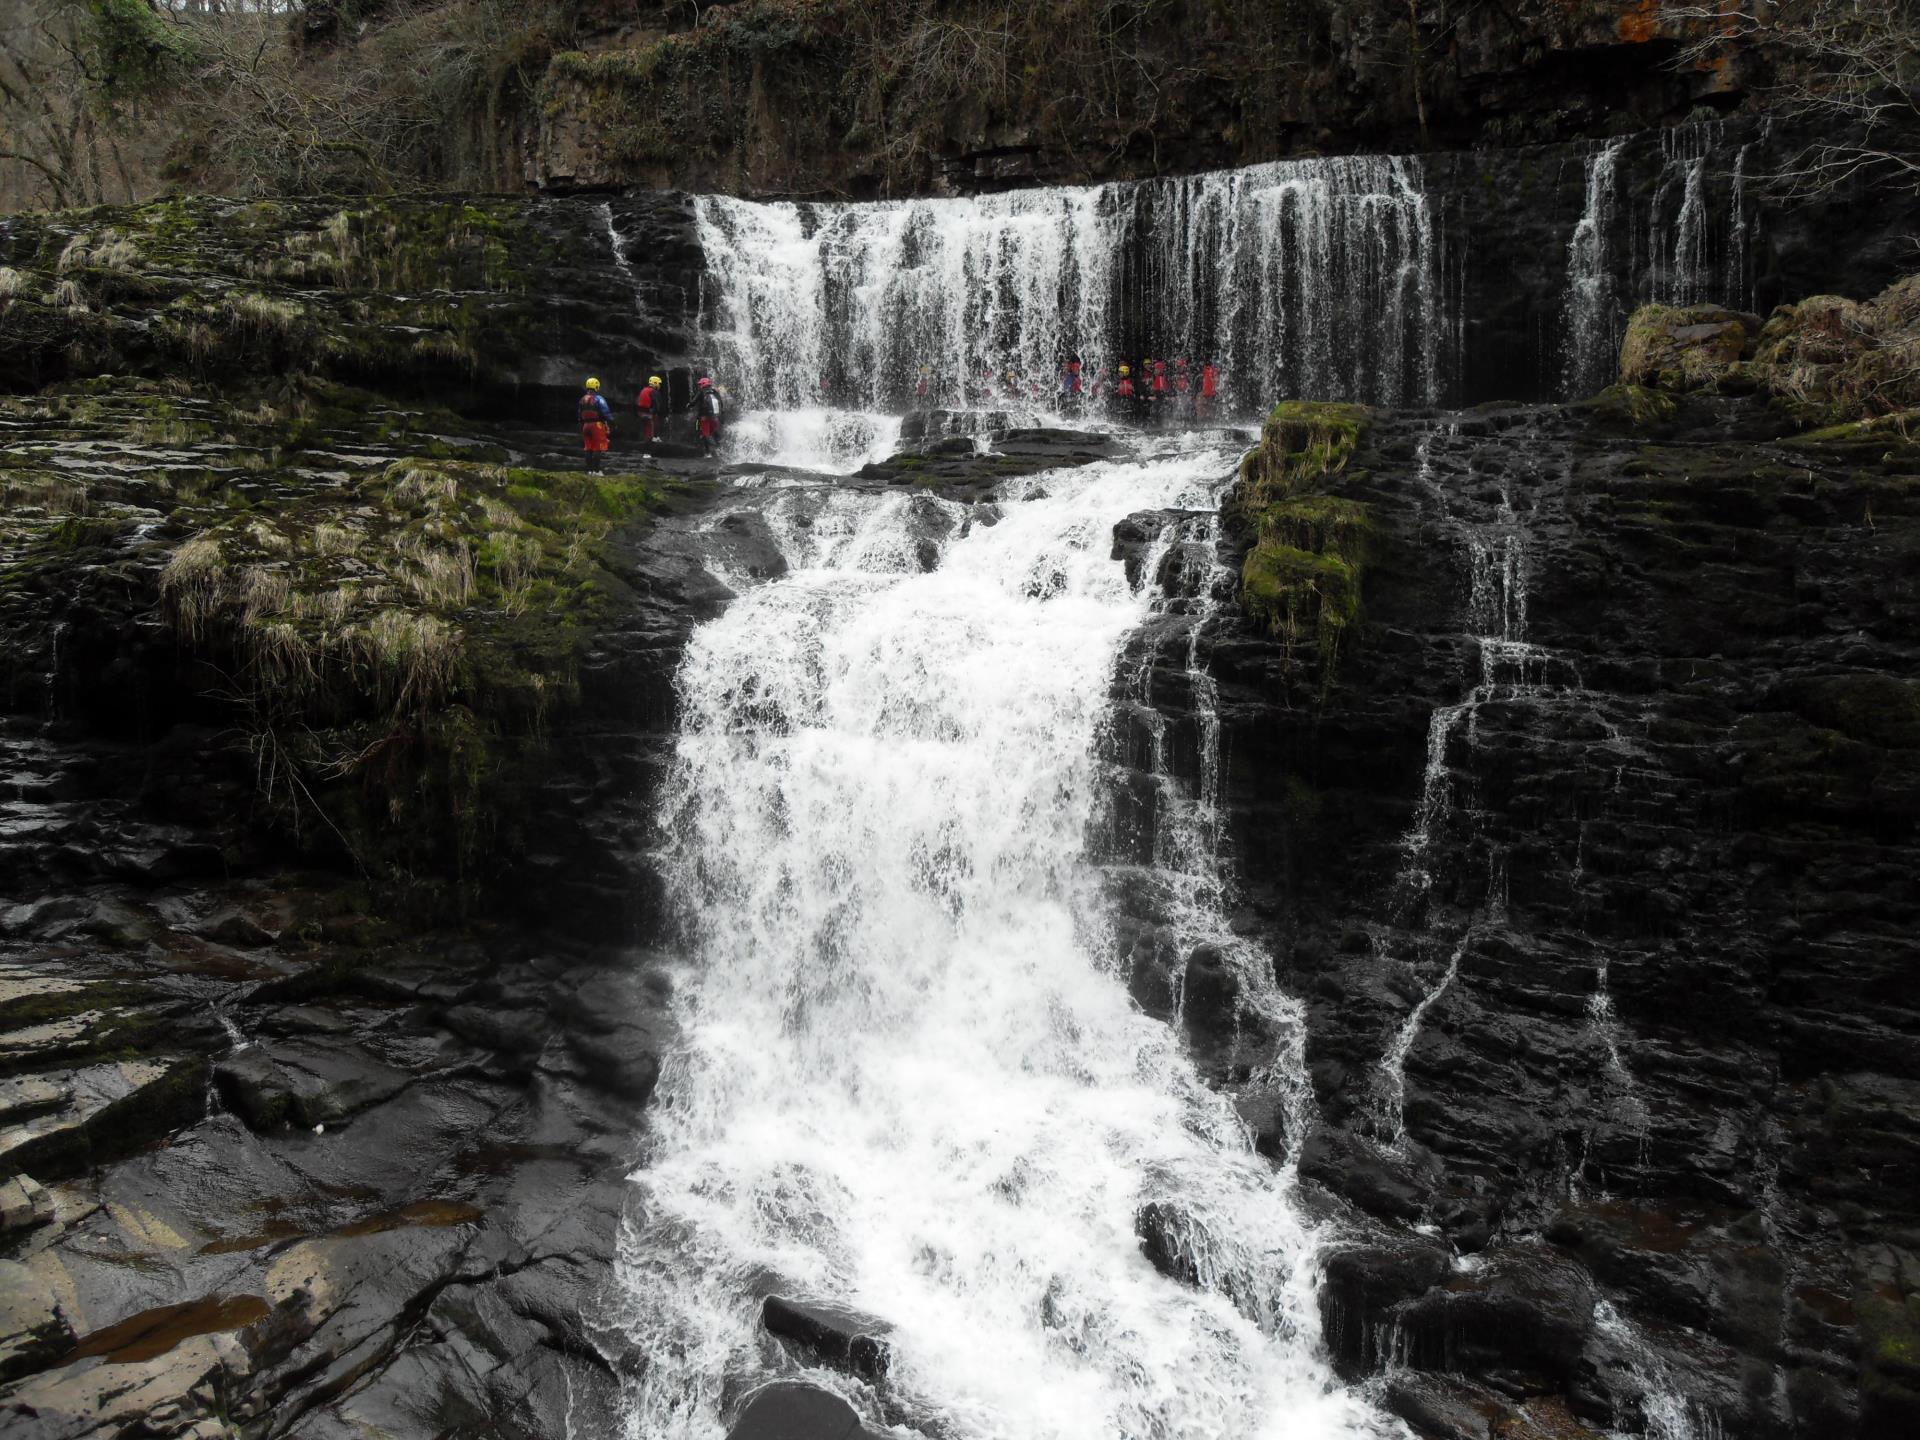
[(1592, 306), (1680, 234), (1665, 1411), (617, 244), (1393, 1065), (1310, 277), (909, 1083)]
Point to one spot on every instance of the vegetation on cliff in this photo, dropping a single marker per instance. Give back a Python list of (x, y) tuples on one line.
[(373, 291), (117, 100), (1301, 578), (1837, 366)]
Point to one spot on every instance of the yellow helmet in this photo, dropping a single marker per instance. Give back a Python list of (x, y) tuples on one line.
[(592, 384), (653, 379), (1126, 369)]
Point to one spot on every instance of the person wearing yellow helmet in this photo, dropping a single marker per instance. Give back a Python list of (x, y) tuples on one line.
[(596, 423), (650, 403)]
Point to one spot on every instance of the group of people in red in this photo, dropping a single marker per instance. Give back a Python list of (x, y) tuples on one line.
[(652, 407), (1153, 391)]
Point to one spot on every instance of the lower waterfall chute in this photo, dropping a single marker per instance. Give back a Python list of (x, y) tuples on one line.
[(910, 1082)]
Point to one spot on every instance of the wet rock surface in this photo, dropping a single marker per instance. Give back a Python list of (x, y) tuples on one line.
[(839, 1337), (1593, 867), (274, 1151), (790, 1410)]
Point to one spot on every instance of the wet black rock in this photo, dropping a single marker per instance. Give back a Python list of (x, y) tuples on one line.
[(789, 1410), (1639, 851), (835, 1336)]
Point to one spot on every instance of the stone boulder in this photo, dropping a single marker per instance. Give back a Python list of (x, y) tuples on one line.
[(272, 1085), (1694, 347), (842, 1338), (788, 1410)]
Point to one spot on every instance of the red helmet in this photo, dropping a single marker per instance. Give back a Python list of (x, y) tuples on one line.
[(705, 382)]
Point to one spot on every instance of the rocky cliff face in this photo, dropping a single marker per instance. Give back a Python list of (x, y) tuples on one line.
[(1591, 855), (853, 100)]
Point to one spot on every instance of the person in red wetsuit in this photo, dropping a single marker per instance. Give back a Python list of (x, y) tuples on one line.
[(707, 407), (596, 423), (1123, 393), (1209, 386), (650, 402)]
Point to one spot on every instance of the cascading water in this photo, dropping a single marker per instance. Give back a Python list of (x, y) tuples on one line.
[(1307, 277), (1697, 252), (910, 1083), (1592, 306)]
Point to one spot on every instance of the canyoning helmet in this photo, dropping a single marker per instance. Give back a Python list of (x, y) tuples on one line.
[(1181, 364), (706, 383), (654, 380), (1126, 369), (592, 384)]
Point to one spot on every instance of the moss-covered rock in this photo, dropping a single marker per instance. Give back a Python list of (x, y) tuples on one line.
[(1302, 576), (1634, 405), (1833, 363), (1681, 348), (1302, 444), (389, 614)]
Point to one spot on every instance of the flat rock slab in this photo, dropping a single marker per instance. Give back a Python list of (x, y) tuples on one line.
[(788, 1410), (844, 1339)]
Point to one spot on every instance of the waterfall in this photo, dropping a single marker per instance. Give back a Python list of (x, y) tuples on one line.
[(1592, 306), (1697, 256), (1316, 278), (910, 1082)]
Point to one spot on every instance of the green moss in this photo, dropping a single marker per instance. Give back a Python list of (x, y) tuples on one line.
[(1303, 443), (1890, 1335), (1634, 405), (1323, 524), (1302, 578), (1301, 596)]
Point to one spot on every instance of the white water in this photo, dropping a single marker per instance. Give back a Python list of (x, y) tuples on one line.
[(1307, 277), (1592, 305), (1665, 1411), (909, 1082), (816, 438)]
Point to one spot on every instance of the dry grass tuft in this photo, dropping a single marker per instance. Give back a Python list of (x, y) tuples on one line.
[(335, 539), (190, 586), (438, 577), (118, 253)]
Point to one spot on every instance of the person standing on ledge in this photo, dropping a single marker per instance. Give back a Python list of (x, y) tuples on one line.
[(650, 402), (596, 423), (707, 407)]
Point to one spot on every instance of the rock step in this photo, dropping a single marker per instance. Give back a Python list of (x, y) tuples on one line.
[(788, 1410), (842, 1338)]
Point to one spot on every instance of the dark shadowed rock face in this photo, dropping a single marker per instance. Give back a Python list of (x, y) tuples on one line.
[(269, 1149), (1595, 868), (790, 1410)]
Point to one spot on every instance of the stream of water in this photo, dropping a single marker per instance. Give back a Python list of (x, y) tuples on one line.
[(911, 1082)]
